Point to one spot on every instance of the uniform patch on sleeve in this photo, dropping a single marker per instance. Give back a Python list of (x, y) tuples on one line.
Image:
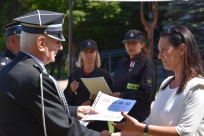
[(148, 82)]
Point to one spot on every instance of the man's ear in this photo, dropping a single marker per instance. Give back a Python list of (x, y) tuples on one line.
[(12, 39), (182, 49), (41, 43)]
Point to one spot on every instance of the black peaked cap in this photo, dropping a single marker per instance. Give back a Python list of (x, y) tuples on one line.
[(13, 28), (42, 17), (43, 22)]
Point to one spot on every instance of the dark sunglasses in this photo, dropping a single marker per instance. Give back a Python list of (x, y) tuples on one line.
[(173, 30)]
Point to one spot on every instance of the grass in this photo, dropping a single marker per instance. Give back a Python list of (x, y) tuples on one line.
[(111, 128)]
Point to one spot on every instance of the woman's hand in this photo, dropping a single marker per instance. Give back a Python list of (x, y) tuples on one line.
[(130, 125), (74, 85)]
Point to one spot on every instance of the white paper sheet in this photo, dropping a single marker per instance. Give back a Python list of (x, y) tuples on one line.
[(95, 84), (109, 108)]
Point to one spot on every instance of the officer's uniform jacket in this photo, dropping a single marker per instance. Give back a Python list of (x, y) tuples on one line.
[(7, 57), (136, 82), (21, 107)]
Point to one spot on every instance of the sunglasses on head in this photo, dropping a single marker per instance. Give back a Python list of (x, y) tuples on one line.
[(173, 30)]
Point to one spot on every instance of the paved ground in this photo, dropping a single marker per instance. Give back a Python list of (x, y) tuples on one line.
[(63, 84)]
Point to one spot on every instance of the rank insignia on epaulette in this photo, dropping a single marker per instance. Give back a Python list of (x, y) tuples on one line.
[(149, 82)]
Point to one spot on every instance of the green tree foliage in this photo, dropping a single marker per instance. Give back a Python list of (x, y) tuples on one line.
[(105, 22), (189, 14), (52, 5), (9, 9), (99, 21)]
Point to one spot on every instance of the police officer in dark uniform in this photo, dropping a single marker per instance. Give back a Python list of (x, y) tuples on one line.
[(89, 66), (135, 77), (13, 31), (31, 101)]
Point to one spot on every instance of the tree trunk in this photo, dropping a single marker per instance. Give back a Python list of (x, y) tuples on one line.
[(149, 27)]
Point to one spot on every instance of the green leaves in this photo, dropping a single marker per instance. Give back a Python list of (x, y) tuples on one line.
[(105, 22), (188, 14)]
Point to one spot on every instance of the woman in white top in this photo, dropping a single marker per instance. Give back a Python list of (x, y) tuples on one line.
[(179, 107)]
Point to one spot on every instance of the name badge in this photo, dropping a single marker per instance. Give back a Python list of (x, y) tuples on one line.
[(133, 86)]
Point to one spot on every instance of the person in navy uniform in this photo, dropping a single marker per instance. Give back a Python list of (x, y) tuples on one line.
[(31, 101), (89, 63), (135, 77), (13, 31)]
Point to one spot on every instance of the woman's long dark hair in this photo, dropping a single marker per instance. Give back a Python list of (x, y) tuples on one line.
[(193, 64)]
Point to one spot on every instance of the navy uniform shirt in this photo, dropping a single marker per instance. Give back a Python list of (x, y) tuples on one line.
[(7, 57), (136, 83)]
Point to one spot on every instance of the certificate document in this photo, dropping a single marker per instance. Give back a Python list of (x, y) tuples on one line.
[(109, 108), (95, 84)]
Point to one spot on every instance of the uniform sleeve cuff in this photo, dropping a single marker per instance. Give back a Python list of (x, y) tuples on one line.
[(73, 111)]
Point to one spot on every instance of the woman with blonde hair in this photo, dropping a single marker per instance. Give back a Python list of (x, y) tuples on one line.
[(89, 66)]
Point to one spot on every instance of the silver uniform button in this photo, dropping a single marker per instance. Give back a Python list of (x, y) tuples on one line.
[(3, 63)]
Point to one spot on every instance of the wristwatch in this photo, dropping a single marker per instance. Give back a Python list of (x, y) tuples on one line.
[(145, 132)]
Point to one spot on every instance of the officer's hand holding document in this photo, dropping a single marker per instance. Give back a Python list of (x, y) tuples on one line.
[(109, 108)]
